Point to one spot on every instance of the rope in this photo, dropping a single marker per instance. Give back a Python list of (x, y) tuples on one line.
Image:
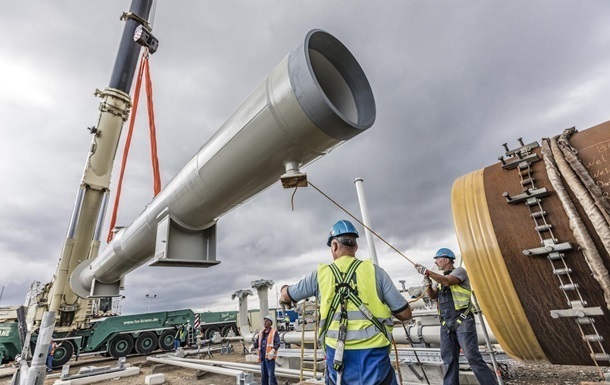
[(421, 295), (397, 362), (143, 69), (393, 248), (557, 168), (571, 155), (359, 221), (555, 172)]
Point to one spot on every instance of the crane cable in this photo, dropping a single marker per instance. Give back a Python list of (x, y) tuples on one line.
[(143, 70), (357, 220), (426, 286), (387, 243)]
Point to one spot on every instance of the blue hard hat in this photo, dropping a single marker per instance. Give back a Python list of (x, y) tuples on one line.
[(342, 227), (444, 253)]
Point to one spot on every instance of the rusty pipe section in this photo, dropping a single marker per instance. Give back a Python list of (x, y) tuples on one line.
[(316, 98)]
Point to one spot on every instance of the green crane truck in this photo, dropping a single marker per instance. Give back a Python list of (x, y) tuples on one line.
[(118, 336)]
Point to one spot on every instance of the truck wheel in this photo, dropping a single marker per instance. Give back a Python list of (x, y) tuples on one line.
[(209, 332), (146, 343), (62, 354), (227, 329), (166, 341), (121, 346)]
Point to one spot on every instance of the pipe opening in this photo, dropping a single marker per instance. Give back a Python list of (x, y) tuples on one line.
[(341, 79), (334, 86)]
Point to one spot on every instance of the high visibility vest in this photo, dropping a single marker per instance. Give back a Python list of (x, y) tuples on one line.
[(269, 347), (361, 333), (460, 295)]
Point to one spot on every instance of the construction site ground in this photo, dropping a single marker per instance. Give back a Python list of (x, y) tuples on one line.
[(517, 373)]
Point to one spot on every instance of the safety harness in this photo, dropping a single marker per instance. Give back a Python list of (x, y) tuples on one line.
[(345, 289), (463, 315)]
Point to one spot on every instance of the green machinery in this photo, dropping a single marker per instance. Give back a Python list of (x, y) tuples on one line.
[(118, 336)]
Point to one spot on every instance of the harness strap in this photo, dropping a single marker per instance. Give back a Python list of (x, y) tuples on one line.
[(341, 337), (367, 313), (358, 316), (342, 286), (340, 279), (463, 315)]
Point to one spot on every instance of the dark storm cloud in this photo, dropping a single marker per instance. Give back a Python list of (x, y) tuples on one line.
[(452, 82)]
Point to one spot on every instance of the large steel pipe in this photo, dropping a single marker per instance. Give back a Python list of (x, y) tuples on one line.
[(251, 368), (419, 334), (513, 236), (314, 100)]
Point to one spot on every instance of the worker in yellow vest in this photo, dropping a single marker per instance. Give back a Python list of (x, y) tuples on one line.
[(267, 344), (286, 323), (357, 300), (451, 289)]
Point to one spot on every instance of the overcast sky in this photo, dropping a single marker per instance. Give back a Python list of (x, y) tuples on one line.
[(452, 82)]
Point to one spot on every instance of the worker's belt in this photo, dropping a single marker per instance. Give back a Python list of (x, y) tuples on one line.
[(360, 334), (462, 317), (357, 316)]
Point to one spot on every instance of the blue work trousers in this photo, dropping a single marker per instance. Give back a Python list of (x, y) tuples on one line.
[(49, 362), (464, 335), (361, 367), (268, 372)]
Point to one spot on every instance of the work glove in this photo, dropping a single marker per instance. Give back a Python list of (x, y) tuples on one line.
[(271, 354), (422, 270), (289, 304), (427, 281)]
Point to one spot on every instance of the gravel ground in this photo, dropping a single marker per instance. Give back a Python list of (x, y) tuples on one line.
[(514, 373), (520, 373)]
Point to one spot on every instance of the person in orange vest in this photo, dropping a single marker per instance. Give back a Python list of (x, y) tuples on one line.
[(267, 344), (52, 346)]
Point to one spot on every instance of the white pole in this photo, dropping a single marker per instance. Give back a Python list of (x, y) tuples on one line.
[(366, 220)]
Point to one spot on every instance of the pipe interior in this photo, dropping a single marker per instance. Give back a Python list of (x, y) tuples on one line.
[(341, 79)]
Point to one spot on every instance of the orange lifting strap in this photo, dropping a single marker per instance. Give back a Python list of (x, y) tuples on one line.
[(143, 70)]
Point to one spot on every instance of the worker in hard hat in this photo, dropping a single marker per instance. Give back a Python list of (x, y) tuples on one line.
[(286, 322), (357, 300), (267, 344), (451, 288), (52, 346), (179, 337)]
